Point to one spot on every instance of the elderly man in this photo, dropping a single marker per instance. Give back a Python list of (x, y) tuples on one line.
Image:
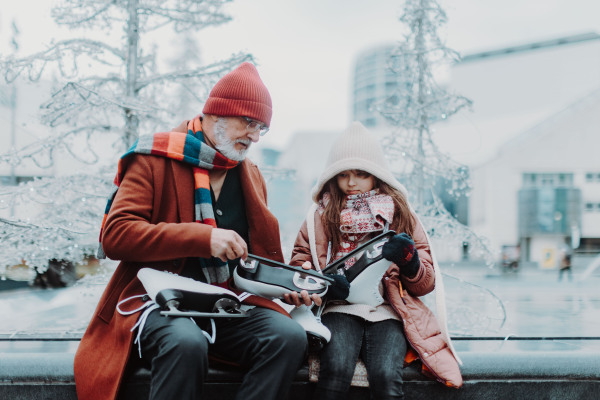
[(187, 202)]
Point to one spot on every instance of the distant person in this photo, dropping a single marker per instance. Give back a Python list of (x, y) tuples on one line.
[(188, 201), (565, 266), (509, 264), (357, 198)]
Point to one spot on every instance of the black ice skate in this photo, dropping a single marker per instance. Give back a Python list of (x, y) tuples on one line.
[(272, 279)]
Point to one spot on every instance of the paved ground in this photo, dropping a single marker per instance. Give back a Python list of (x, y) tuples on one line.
[(480, 302), (535, 302)]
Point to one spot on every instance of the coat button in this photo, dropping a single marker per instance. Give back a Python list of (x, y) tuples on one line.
[(219, 212)]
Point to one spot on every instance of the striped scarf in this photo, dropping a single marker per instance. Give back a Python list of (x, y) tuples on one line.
[(189, 148)]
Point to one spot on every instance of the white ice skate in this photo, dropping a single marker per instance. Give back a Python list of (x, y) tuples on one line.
[(366, 273), (179, 296), (318, 334)]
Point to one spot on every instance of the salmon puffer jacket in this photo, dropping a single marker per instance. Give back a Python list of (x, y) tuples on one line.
[(426, 338)]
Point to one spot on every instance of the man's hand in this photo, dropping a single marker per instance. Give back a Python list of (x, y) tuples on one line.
[(303, 297), (227, 245)]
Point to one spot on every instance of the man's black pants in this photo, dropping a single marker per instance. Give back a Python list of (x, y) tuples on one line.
[(271, 345)]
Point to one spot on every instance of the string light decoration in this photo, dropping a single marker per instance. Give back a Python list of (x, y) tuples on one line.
[(110, 87), (412, 109), (418, 103)]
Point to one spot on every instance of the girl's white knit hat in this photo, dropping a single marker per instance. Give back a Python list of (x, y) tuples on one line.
[(356, 148)]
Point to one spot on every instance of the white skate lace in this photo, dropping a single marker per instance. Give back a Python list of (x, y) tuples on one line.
[(149, 306)]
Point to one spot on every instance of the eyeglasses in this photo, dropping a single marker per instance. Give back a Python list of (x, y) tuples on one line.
[(255, 126)]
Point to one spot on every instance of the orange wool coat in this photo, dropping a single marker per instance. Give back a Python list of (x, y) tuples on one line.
[(151, 224)]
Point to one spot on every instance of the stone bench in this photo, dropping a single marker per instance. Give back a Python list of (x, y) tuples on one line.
[(507, 375)]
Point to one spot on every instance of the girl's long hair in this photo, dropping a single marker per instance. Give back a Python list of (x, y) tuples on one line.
[(403, 220)]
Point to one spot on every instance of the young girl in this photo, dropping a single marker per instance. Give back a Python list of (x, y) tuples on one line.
[(357, 198)]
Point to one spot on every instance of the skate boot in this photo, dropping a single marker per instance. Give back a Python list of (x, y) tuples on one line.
[(179, 296), (366, 273), (317, 333), (271, 279)]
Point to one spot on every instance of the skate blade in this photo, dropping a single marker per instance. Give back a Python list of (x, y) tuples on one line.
[(198, 314)]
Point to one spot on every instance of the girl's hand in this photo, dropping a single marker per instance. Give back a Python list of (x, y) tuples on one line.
[(340, 289), (401, 251), (307, 265)]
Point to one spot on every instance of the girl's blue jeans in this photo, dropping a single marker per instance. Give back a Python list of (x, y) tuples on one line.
[(382, 347)]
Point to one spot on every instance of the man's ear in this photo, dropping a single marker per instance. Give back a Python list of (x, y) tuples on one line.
[(208, 121), (211, 117), (208, 127)]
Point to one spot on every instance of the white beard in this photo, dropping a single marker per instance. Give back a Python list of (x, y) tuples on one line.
[(226, 146)]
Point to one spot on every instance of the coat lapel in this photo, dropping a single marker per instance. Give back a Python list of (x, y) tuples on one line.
[(263, 228), (183, 179)]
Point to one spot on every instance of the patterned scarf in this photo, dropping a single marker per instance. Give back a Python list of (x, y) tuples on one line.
[(189, 148), (364, 214)]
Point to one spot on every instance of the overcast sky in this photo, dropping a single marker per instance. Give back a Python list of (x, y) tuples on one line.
[(305, 49)]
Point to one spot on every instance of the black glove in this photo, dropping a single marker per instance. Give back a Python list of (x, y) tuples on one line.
[(401, 250), (340, 289)]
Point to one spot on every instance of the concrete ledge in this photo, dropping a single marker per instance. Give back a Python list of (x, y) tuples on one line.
[(507, 375)]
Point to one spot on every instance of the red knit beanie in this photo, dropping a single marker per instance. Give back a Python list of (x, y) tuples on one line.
[(240, 93)]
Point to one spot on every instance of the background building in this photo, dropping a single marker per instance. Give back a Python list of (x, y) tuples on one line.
[(372, 82), (530, 140), (536, 110), (542, 189)]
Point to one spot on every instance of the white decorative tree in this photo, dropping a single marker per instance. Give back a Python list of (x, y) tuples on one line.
[(112, 86), (417, 104), (414, 107)]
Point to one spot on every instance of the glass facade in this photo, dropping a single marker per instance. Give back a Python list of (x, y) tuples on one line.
[(549, 204), (374, 82), (8, 180)]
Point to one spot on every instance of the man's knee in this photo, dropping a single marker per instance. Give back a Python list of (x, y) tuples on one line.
[(188, 345), (286, 337), (194, 343), (293, 334)]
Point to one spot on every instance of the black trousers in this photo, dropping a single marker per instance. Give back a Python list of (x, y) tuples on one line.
[(269, 344)]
